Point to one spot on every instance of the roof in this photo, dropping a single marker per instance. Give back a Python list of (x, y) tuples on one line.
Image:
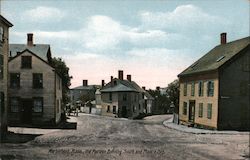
[(89, 87), (41, 50), (27, 50), (6, 21), (122, 86), (216, 57), (148, 95)]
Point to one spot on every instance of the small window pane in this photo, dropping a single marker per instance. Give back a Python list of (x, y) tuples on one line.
[(37, 80), (38, 105), (14, 104), (184, 112), (26, 62), (14, 80), (200, 109), (209, 111)]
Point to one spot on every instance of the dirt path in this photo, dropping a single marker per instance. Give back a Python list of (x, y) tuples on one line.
[(108, 138)]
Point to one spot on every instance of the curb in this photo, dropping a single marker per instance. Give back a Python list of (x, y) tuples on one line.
[(185, 129)]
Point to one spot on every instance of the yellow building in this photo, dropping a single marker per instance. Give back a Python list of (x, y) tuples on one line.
[(214, 91)]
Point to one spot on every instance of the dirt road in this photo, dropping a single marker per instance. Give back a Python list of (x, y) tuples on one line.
[(108, 138)]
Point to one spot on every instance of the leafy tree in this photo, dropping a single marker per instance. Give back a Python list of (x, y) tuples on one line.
[(173, 92), (161, 102), (63, 71)]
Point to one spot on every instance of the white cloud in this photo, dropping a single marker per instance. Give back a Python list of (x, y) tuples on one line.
[(183, 18), (43, 14)]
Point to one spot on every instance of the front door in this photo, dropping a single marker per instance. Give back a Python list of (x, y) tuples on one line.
[(26, 111), (191, 114), (124, 111)]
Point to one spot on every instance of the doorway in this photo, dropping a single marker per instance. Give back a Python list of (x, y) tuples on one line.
[(191, 112), (26, 115), (124, 111)]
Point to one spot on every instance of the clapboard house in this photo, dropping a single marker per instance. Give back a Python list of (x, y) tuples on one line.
[(4, 50), (214, 91), (122, 98), (35, 89)]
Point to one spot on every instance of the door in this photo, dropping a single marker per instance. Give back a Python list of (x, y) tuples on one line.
[(26, 111), (191, 112), (124, 111)]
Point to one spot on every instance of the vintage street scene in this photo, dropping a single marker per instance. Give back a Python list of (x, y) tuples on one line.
[(124, 80)]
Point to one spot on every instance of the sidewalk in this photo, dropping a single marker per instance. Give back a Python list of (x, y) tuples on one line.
[(169, 124)]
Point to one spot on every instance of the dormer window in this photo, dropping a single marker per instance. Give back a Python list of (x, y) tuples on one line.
[(220, 58)]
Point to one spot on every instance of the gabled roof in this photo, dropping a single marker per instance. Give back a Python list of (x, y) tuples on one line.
[(217, 57), (122, 86), (40, 50), (27, 50), (5, 21)]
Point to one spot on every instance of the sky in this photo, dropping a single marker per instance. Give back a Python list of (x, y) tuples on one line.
[(153, 40)]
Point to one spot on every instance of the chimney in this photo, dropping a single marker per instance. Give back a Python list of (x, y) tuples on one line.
[(30, 39), (223, 38), (158, 88), (84, 82), (103, 83), (144, 88), (111, 80), (129, 77), (120, 74)]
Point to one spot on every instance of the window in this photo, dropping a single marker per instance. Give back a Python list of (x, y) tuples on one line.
[(1, 34), (200, 109), (38, 105), (210, 88), (201, 88), (209, 111), (184, 111), (14, 104), (135, 97), (192, 89), (185, 89), (1, 66), (139, 107), (124, 97), (108, 108), (110, 96), (2, 106), (14, 80), (114, 109), (26, 62), (37, 80)]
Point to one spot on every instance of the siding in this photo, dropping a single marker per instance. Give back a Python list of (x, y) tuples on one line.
[(204, 99), (234, 92)]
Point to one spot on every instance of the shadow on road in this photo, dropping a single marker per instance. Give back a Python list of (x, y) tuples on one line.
[(64, 125), (19, 138)]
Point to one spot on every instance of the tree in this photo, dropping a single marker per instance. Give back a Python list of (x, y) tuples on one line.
[(63, 71), (173, 92), (161, 102)]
